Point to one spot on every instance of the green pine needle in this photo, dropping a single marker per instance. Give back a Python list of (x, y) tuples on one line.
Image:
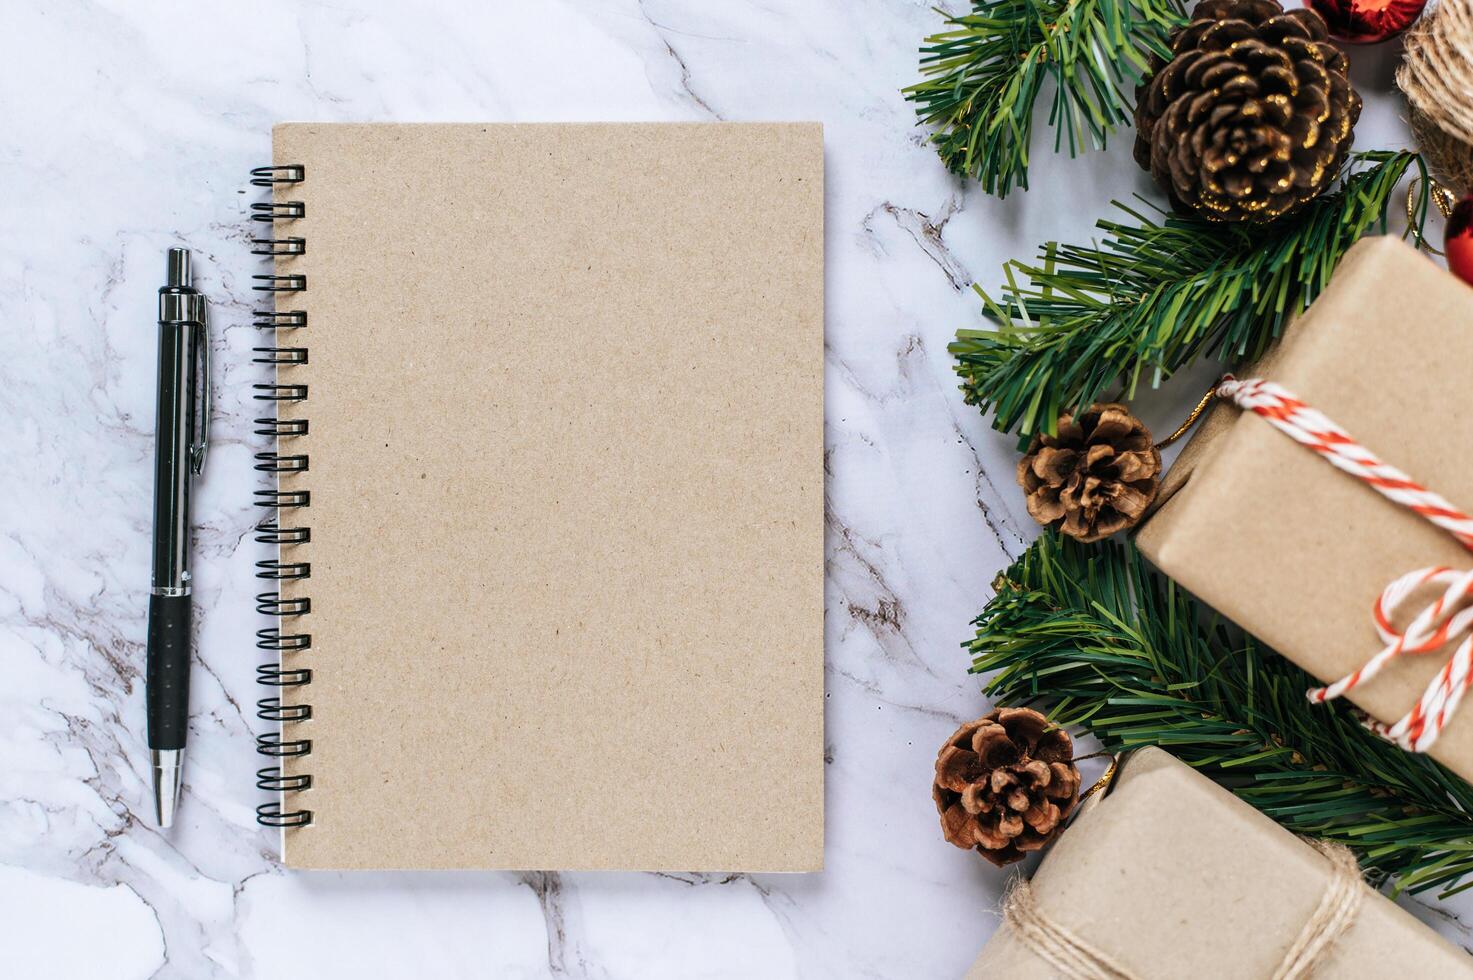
[(1157, 294), (1118, 649), (984, 74)]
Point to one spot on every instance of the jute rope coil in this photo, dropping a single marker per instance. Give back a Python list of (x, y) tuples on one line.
[(1075, 958), (1436, 75)]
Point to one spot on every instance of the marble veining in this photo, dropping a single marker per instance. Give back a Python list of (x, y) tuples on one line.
[(131, 127)]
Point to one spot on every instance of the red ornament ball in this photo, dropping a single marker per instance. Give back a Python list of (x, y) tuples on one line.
[(1367, 21), (1459, 241)]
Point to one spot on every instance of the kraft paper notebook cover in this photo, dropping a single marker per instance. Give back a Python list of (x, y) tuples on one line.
[(562, 467)]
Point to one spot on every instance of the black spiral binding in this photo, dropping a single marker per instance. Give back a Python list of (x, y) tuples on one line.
[(289, 637)]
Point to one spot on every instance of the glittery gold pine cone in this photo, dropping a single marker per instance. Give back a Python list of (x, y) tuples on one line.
[(1253, 115)]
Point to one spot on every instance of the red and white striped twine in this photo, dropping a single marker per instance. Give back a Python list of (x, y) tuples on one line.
[(1448, 617)]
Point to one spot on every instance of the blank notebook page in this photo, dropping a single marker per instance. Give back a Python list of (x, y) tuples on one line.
[(566, 476)]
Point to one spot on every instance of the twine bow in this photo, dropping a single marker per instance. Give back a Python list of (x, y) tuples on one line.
[(1447, 618)]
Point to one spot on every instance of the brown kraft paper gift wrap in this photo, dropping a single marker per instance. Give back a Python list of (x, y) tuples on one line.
[(1172, 876), (1295, 551)]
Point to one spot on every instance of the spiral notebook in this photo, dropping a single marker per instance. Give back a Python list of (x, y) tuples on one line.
[(548, 496)]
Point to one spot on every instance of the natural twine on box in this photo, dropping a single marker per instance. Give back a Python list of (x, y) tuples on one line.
[(1436, 75), (1076, 958)]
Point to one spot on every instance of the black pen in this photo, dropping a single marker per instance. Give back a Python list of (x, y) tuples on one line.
[(182, 431)]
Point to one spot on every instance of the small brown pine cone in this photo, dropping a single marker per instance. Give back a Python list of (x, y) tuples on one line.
[(1096, 477), (1005, 783), (1252, 116)]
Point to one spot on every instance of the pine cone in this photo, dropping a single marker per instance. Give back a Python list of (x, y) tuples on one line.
[(1005, 783), (1251, 117), (1096, 477)]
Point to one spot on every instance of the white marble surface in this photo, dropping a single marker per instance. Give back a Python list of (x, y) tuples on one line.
[(129, 128)]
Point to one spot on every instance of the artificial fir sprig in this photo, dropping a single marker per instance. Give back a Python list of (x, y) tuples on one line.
[(1156, 294), (1112, 646), (985, 72)]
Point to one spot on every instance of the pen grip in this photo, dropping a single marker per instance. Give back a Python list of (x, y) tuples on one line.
[(167, 688)]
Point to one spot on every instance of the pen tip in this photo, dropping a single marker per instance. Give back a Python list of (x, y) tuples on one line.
[(168, 767)]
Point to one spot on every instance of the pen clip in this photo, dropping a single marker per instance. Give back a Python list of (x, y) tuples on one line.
[(201, 436)]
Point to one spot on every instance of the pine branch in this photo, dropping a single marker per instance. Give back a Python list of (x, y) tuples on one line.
[(984, 75), (1118, 649), (1156, 295)]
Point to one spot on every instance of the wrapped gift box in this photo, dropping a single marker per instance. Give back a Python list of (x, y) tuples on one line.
[(1172, 876), (1293, 550)]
